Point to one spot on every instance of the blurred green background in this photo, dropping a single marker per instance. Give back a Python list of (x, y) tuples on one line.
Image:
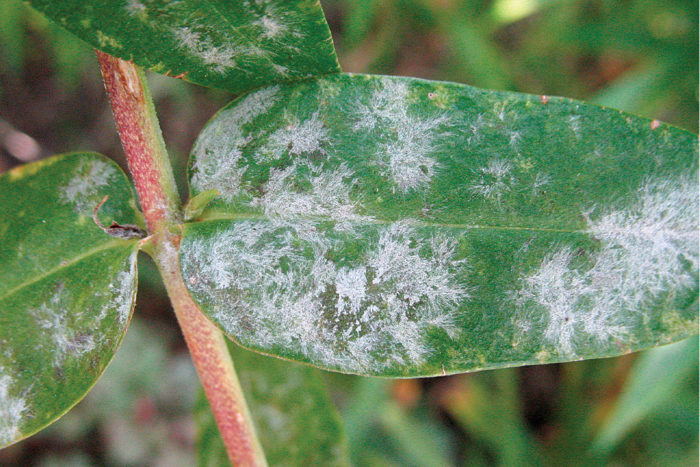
[(640, 56)]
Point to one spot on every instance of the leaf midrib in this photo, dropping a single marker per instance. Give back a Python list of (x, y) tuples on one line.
[(415, 222), (62, 265), (372, 221)]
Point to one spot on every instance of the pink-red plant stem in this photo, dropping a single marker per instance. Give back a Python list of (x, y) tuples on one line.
[(150, 168)]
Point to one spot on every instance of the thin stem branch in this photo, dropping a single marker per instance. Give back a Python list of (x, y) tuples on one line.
[(150, 168)]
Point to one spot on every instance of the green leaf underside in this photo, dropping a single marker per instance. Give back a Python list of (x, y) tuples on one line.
[(400, 227), (67, 288), (295, 419), (232, 45)]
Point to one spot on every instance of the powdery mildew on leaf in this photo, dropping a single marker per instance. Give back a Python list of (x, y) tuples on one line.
[(218, 149), (223, 44), (58, 320), (495, 179), (647, 249), (218, 57), (329, 170), (120, 295), (298, 137), (72, 327), (284, 291), (328, 194), (86, 188), (407, 141), (14, 408)]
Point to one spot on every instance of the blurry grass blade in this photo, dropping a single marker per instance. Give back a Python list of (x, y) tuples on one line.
[(475, 52), (401, 227), (235, 46), (417, 439), (359, 19), (12, 34), (634, 90), (293, 414), (492, 414), (655, 378), (361, 413), (67, 288)]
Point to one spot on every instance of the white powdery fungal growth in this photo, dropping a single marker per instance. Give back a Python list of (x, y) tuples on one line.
[(218, 149), (408, 141), (298, 137), (328, 195), (220, 58), (495, 180), (13, 409), (86, 187), (252, 106), (259, 278), (58, 320), (648, 249), (135, 8), (271, 27), (575, 124), (120, 293), (563, 292), (540, 181), (654, 240)]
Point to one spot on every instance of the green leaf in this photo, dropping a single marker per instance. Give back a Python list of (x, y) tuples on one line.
[(401, 227), (232, 45), (294, 417), (67, 288)]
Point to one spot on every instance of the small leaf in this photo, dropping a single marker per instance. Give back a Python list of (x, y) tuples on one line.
[(401, 227), (232, 45), (294, 417), (67, 288), (196, 206)]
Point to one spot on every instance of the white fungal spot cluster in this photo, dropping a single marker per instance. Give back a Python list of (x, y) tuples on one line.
[(328, 194), (136, 8), (541, 180), (218, 150), (120, 295), (58, 320), (222, 40), (221, 57), (407, 141), (70, 324), (13, 408), (494, 180), (271, 27), (574, 123), (310, 186), (648, 248), (87, 186), (277, 286), (297, 138)]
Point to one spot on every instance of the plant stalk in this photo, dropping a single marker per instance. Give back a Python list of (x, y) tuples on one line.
[(149, 165)]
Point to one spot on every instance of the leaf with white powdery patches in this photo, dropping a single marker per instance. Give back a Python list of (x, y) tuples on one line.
[(232, 45), (402, 227), (67, 288), (294, 416)]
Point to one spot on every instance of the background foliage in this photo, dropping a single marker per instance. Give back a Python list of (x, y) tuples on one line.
[(639, 56)]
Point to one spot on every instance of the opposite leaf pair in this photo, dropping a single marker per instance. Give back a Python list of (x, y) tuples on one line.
[(370, 225)]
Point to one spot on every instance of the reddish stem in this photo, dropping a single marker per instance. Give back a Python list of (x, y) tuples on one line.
[(150, 169), (141, 139)]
